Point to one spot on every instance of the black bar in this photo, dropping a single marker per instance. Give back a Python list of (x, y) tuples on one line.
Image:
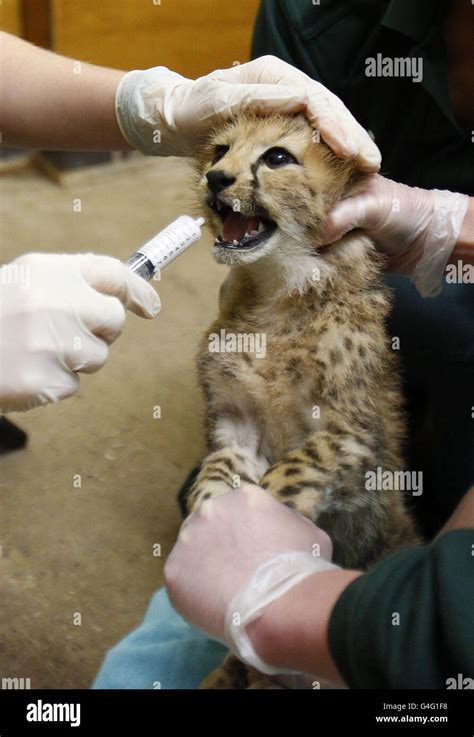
[(144, 713)]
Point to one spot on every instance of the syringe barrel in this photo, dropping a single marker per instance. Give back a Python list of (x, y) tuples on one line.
[(165, 246)]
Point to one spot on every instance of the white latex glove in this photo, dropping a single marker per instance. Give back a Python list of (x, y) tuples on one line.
[(164, 114), (58, 314), (236, 555), (416, 228)]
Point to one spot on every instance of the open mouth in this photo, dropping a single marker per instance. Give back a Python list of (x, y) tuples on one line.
[(242, 232)]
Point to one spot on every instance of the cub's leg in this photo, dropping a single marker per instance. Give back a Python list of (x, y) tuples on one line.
[(234, 459), (235, 674), (325, 480)]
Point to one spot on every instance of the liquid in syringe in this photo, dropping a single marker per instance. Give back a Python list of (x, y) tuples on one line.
[(165, 246)]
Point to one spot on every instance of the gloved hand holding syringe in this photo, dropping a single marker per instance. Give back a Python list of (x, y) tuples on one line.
[(59, 313), (165, 246)]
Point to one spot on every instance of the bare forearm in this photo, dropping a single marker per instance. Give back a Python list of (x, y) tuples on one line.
[(293, 632), (51, 102), (464, 249)]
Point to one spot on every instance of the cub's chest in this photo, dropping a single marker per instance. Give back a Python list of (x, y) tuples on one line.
[(276, 389), (269, 364), (289, 355)]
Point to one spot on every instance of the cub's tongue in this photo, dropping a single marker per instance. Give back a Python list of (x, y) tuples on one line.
[(236, 226)]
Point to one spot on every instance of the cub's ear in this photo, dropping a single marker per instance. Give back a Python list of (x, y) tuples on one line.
[(347, 178), (341, 176), (355, 183), (202, 158)]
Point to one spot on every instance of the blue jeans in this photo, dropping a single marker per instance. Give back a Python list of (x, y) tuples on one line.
[(163, 652)]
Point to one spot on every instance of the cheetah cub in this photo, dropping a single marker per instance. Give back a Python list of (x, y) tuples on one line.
[(301, 385)]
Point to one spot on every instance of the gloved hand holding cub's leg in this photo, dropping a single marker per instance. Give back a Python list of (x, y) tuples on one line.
[(418, 229), (58, 315), (260, 550)]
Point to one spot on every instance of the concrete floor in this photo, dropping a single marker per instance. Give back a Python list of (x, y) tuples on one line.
[(89, 550)]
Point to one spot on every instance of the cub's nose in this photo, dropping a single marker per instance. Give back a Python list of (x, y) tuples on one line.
[(217, 180)]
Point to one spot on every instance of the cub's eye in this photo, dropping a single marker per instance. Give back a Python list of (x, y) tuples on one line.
[(219, 152), (276, 157)]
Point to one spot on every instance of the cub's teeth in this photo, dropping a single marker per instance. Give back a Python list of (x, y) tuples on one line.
[(253, 233), (235, 242), (247, 235), (261, 227)]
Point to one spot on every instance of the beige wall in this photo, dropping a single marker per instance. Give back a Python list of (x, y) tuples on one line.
[(189, 36), (10, 16)]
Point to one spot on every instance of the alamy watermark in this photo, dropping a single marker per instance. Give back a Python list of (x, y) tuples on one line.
[(16, 274), (460, 682), (399, 66), (44, 711), (410, 482), (225, 342), (15, 684), (459, 273)]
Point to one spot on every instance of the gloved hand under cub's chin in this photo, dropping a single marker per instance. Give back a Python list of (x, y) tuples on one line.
[(58, 315), (416, 228)]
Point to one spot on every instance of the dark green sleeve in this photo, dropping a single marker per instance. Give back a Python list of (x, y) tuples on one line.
[(276, 32), (409, 622)]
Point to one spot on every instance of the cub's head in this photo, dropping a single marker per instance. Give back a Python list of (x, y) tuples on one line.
[(267, 185)]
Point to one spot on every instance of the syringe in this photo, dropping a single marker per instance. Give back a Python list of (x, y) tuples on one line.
[(165, 246)]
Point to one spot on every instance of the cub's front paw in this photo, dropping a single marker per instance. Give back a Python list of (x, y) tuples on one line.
[(207, 488), (297, 484)]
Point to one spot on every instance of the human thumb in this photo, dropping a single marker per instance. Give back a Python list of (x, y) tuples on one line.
[(345, 216)]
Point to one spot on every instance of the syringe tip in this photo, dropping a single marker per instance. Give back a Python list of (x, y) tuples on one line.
[(200, 221)]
